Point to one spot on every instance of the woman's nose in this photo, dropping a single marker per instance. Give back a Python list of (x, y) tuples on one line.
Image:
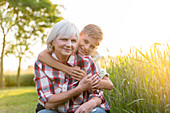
[(68, 43)]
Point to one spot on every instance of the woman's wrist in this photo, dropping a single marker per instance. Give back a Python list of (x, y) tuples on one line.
[(94, 104)]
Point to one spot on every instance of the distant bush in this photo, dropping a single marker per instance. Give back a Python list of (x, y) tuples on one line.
[(25, 80)]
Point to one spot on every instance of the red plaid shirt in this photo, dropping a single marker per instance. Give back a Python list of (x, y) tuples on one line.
[(50, 81)]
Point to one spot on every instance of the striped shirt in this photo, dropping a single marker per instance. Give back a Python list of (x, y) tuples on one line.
[(50, 81)]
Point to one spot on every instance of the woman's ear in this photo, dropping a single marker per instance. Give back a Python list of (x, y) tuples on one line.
[(52, 43)]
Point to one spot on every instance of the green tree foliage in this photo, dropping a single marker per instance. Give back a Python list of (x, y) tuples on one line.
[(28, 20)]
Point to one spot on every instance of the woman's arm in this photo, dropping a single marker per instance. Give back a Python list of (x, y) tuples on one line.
[(75, 72), (57, 99)]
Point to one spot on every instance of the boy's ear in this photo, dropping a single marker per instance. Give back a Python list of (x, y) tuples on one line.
[(95, 47)]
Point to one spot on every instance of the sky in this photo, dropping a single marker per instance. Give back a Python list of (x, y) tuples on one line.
[(125, 23)]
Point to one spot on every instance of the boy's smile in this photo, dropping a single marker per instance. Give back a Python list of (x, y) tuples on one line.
[(87, 44)]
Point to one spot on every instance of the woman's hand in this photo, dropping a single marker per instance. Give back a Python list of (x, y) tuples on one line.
[(89, 82), (76, 73)]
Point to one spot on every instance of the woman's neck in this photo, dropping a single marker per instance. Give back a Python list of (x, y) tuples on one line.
[(62, 58)]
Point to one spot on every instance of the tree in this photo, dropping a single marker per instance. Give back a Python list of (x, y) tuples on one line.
[(7, 21), (31, 18)]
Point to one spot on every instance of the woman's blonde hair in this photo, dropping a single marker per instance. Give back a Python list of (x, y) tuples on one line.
[(62, 29)]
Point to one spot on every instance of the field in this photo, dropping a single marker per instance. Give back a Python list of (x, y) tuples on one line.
[(141, 84), (18, 100), (141, 80)]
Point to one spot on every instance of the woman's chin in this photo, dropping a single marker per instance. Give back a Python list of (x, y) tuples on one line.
[(67, 53)]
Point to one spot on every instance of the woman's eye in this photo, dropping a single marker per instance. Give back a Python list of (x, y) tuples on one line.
[(64, 39), (73, 41)]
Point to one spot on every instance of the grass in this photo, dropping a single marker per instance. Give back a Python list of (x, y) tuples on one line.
[(141, 81), (141, 84), (18, 100)]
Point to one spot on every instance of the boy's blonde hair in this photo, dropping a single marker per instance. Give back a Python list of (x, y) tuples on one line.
[(93, 31)]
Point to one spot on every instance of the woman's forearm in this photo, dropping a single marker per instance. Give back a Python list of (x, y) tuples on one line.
[(58, 99)]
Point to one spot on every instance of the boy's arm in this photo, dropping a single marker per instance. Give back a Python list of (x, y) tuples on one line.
[(75, 72), (105, 83)]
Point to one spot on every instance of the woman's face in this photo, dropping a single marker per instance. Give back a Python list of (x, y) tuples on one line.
[(64, 47)]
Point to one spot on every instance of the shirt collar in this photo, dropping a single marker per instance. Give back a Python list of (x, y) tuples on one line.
[(70, 61)]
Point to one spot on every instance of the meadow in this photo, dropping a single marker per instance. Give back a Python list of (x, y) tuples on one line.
[(141, 84), (18, 100), (141, 80)]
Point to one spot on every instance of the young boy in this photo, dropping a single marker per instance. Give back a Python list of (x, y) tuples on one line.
[(90, 38)]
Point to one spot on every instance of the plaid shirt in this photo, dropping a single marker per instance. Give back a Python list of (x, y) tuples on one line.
[(50, 81), (96, 56)]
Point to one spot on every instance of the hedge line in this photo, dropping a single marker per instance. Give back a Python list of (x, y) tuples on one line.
[(25, 80)]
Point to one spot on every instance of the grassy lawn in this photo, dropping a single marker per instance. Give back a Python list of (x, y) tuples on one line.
[(18, 100)]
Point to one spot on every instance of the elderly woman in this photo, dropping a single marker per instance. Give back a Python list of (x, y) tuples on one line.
[(57, 91)]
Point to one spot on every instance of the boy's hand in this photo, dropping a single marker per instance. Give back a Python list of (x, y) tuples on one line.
[(76, 73), (85, 108)]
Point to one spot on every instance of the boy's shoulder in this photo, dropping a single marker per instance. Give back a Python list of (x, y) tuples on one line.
[(95, 55)]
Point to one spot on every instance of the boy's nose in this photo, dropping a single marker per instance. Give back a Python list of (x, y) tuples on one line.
[(87, 47)]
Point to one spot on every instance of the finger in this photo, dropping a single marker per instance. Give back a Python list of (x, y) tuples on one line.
[(95, 81), (94, 77), (96, 86), (89, 76), (77, 78), (82, 72), (77, 68), (76, 73)]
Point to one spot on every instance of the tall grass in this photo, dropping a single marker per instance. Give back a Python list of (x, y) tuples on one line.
[(141, 81)]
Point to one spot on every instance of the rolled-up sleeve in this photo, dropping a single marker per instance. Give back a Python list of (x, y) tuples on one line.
[(96, 93), (44, 85), (102, 72), (92, 71)]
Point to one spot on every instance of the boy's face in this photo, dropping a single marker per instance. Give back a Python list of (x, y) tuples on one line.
[(86, 44)]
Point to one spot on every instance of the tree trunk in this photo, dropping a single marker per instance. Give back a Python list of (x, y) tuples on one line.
[(18, 72), (2, 67)]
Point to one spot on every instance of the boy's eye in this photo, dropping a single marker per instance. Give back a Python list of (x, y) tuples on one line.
[(85, 41), (92, 47)]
